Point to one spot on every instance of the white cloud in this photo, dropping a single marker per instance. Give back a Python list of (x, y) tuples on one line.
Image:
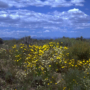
[(46, 31), (39, 3), (10, 33), (72, 18), (77, 2), (73, 31), (23, 31)]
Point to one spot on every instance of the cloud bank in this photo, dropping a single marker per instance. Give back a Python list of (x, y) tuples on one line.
[(73, 18), (51, 3)]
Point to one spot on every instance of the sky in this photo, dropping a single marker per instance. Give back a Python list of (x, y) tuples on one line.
[(45, 18)]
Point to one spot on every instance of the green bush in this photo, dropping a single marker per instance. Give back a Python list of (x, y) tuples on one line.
[(66, 42), (79, 51)]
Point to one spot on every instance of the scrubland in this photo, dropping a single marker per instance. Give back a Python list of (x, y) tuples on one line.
[(50, 66)]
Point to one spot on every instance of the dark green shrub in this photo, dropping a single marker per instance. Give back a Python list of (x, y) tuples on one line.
[(1, 41), (79, 51), (27, 40), (81, 39), (66, 42)]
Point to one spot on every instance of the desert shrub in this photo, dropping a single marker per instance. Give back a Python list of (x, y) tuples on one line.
[(66, 42), (74, 79), (79, 51), (87, 80)]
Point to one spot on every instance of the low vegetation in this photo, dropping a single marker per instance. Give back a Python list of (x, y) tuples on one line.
[(62, 64)]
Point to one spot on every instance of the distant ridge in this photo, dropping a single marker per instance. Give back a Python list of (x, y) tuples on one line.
[(38, 38), (9, 38)]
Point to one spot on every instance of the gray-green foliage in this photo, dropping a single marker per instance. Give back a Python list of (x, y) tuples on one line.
[(74, 79)]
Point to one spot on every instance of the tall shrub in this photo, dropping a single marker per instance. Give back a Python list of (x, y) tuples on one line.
[(79, 51), (1, 41)]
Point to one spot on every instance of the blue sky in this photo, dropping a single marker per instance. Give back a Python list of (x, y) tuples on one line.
[(45, 18)]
